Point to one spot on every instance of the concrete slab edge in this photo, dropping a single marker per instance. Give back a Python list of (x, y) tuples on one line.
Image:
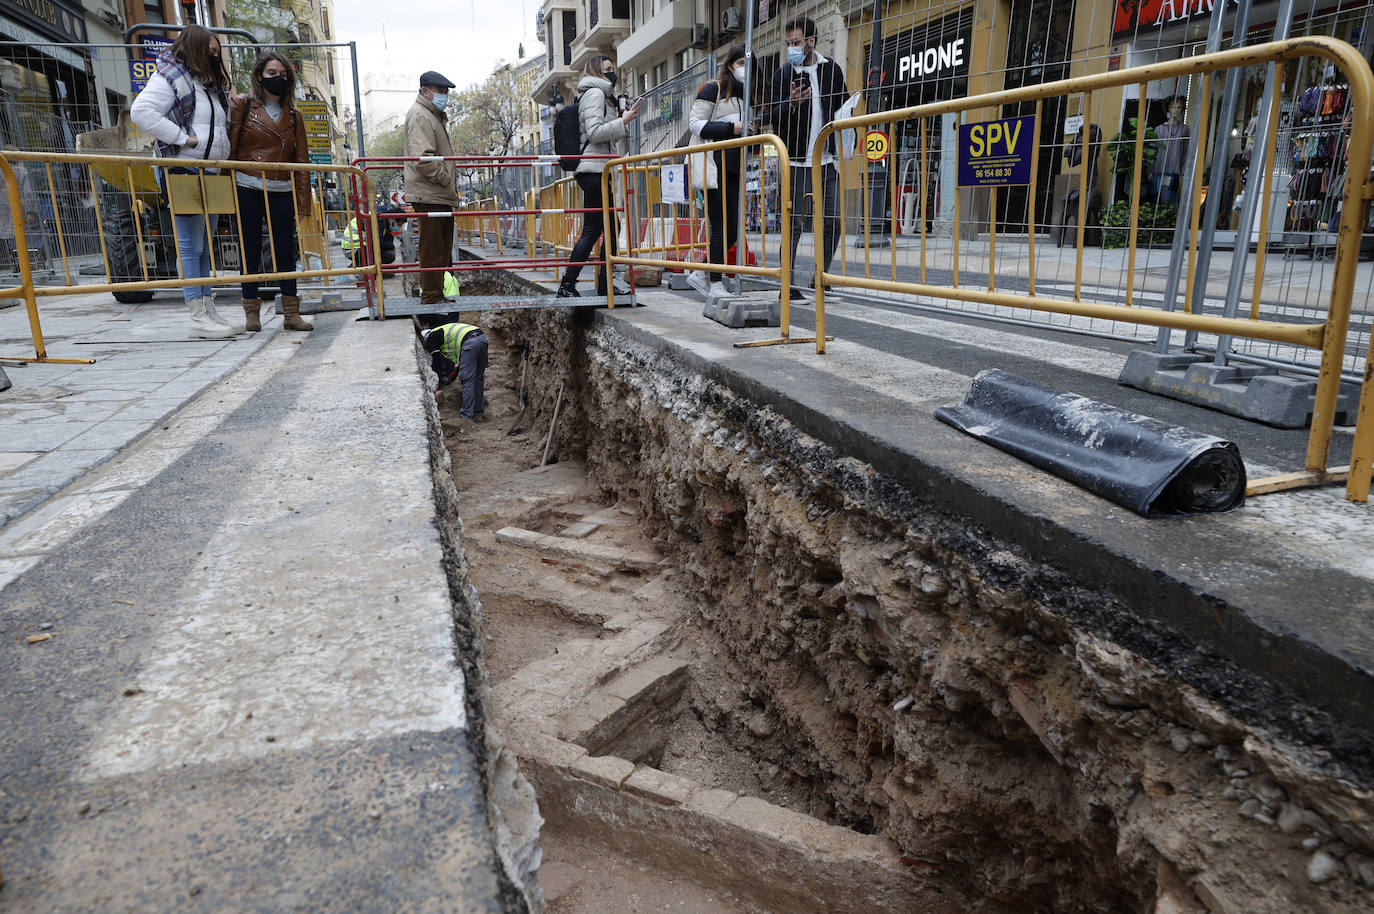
[(512, 810)]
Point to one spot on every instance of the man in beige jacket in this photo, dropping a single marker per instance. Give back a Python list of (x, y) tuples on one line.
[(431, 186)]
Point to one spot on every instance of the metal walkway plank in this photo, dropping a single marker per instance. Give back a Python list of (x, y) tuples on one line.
[(404, 307)]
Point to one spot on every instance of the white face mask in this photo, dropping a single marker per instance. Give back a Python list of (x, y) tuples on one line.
[(739, 74)]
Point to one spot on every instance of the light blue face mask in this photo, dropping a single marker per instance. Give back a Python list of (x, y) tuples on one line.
[(440, 100), (795, 56)]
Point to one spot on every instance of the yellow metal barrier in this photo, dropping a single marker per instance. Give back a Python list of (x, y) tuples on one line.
[(25, 288), (196, 194), (637, 197), (1329, 336)]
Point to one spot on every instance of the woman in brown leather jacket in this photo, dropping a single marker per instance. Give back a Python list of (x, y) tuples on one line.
[(264, 126)]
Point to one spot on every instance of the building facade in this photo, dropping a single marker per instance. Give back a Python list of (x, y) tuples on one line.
[(922, 51)]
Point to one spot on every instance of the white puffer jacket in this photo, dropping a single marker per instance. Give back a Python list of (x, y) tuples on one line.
[(150, 112)]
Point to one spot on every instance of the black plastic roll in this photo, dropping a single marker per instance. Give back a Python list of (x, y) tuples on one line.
[(1149, 466)]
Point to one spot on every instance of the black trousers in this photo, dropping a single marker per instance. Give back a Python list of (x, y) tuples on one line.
[(724, 227), (593, 226), (252, 212)]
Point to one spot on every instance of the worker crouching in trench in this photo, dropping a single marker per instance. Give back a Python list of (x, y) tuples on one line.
[(459, 352)]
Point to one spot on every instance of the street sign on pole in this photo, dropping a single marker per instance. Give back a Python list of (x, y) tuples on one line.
[(875, 145), (316, 116)]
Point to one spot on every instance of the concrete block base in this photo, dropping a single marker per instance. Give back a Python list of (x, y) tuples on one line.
[(749, 309), (1252, 392), (329, 300), (677, 281)]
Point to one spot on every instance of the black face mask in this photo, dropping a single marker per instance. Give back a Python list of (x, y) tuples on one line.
[(275, 85), (610, 78), (214, 61)]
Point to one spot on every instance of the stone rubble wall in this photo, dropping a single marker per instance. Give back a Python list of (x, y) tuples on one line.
[(921, 669)]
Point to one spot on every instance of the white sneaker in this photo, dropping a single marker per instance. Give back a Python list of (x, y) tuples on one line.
[(718, 290), (201, 327), (697, 280), (214, 316)]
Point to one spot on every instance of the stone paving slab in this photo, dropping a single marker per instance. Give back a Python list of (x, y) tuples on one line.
[(77, 416)]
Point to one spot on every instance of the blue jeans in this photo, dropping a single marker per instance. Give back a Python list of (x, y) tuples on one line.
[(193, 247)]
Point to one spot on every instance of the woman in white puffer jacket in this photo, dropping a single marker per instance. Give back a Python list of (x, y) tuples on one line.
[(185, 107)]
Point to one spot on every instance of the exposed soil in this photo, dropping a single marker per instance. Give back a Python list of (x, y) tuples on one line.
[(902, 673), (533, 606), (518, 632), (859, 659), (584, 879)]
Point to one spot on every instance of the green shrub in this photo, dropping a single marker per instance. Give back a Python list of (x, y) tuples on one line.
[(1122, 150), (1156, 224)]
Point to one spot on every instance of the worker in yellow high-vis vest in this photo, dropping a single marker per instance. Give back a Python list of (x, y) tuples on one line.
[(460, 351)]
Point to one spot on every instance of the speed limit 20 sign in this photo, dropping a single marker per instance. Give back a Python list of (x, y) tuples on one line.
[(875, 145)]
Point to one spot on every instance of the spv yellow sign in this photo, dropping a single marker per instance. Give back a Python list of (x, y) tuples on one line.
[(996, 153)]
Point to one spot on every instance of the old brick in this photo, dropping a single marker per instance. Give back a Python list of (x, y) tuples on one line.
[(588, 716), (651, 681), (546, 750), (711, 801), (606, 770), (773, 821), (660, 786)]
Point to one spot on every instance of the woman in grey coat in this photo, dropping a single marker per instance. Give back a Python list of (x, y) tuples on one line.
[(602, 127)]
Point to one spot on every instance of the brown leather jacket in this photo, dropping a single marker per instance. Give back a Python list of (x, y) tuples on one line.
[(255, 137)]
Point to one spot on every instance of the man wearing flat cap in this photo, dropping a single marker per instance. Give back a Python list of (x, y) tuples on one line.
[(431, 186)]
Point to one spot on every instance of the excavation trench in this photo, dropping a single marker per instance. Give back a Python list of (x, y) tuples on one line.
[(732, 652)]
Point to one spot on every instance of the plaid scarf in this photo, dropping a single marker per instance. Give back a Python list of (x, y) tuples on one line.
[(184, 108)]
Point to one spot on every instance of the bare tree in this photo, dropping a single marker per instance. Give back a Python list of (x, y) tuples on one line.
[(493, 111)]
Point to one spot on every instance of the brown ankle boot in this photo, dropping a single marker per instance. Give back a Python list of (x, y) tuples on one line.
[(291, 314), (251, 309)]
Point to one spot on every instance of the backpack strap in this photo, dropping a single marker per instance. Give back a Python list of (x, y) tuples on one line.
[(577, 102)]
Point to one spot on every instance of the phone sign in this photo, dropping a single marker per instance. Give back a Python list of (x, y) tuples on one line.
[(140, 71), (875, 145), (996, 153)]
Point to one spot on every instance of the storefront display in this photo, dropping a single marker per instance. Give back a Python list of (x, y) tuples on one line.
[(1319, 160)]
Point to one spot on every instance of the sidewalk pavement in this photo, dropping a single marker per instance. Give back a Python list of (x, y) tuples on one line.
[(60, 421), (232, 674)]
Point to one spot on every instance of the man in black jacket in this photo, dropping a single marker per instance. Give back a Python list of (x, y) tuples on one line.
[(806, 91)]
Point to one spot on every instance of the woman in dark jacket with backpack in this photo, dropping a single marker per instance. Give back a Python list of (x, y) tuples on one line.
[(264, 126), (602, 127)]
